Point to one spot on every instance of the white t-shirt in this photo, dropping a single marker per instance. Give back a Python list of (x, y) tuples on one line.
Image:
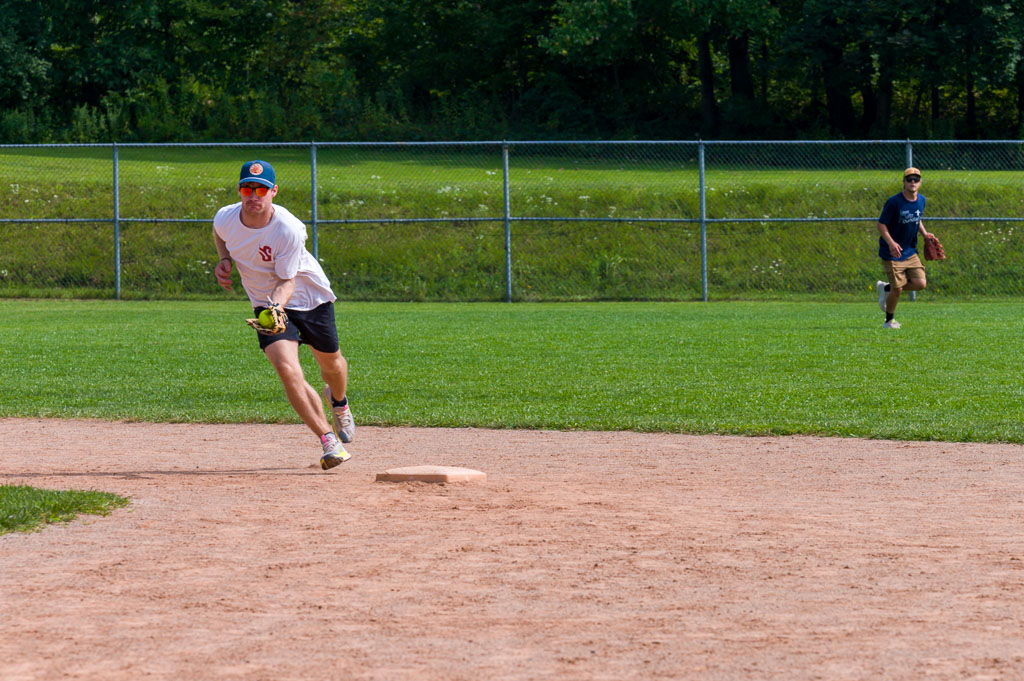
[(277, 251)]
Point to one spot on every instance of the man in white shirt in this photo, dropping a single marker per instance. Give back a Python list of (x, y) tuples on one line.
[(267, 245)]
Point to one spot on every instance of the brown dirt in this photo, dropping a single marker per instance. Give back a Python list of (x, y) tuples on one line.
[(583, 556)]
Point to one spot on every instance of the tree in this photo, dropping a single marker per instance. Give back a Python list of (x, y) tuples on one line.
[(982, 48), (211, 69), (24, 72)]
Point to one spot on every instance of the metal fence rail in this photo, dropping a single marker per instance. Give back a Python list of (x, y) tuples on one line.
[(516, 221)]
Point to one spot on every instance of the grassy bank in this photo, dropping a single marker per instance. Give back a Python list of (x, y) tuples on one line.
[(463, 257)]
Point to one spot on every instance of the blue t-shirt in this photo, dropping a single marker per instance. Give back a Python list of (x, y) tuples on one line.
[(902, 217)]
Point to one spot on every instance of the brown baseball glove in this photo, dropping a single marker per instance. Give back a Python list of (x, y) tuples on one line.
[(271, 321), (933, 249)]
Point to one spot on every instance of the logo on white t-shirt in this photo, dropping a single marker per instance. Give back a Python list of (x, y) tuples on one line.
[(266, 254)]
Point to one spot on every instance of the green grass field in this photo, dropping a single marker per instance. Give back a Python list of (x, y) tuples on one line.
[(23, 508), (952, 373)]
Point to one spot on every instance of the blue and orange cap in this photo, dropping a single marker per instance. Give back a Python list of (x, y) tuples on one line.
[(257, 171)]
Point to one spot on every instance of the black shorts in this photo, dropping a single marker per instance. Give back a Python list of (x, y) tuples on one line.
[(316, 328)]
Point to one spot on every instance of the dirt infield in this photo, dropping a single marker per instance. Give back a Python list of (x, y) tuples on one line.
[(583, 556)]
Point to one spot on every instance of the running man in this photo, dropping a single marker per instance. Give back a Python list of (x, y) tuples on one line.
[(267, 245), (897, 245)]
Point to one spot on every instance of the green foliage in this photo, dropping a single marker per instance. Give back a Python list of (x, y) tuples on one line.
[(23, 73), (23, 508), (18, 126), (598, 33), (199, 70), (741, 368)]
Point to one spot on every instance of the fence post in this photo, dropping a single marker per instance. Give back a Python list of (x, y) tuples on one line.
[(508, 223), (117, 228), (313, 198), (703, 224)]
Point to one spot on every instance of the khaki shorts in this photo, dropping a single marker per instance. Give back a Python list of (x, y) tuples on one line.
[(898, 271)]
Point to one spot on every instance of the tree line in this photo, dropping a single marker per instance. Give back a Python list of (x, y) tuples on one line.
[(212, 70)]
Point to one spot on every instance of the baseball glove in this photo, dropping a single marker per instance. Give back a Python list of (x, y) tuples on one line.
[(933, 249), (277, 316)]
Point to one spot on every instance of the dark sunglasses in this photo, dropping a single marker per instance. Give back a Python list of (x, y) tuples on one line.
[(911, 179), (248, 191)]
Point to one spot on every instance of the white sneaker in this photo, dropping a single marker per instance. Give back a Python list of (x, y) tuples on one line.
[(343, 423), (892, 324), (882, 293), (334, 453)]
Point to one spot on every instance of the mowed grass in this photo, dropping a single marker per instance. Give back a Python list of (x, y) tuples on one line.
[(24, 508), (769, 368)]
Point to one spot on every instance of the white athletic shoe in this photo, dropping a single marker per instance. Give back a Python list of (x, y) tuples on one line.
[(892, 324), (343, 423), (334, 453), (882, 293)]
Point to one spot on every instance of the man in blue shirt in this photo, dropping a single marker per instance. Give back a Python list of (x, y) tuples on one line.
[(897, 246)]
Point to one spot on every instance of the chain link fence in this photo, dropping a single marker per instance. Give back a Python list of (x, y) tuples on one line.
[(517, 221)]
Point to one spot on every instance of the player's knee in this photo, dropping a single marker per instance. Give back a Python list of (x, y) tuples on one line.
[(288, 373), (285, 366), (332, 364), (331, 371)]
